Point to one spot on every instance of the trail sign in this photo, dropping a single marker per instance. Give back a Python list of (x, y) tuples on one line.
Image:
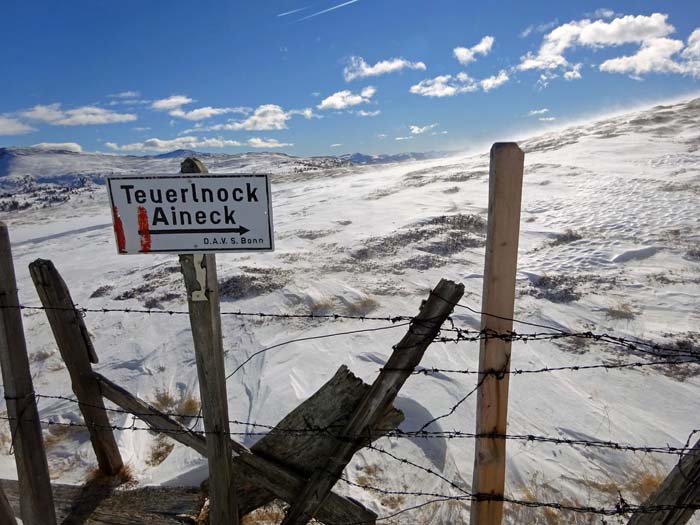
[(191, 213)]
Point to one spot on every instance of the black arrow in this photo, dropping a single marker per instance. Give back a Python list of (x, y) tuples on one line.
[(240, 230)]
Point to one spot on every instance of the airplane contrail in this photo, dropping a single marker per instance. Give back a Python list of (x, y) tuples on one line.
[(328, 10), (293, 11)]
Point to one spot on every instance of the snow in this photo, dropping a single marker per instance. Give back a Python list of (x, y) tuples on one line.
[(364, 240)]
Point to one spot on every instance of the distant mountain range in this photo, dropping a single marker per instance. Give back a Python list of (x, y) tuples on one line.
[(24, 166)]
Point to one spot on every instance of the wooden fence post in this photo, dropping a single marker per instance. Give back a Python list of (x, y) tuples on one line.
[(36, 504), (406, 356), (6, 514), (199, 271), (498, 299), (681, 487), (76, 349)]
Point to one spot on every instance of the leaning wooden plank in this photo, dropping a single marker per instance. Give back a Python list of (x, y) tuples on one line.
[(406, 356), (96, 506), (73, 341), (255, 471), (679, 491), (321, 419)]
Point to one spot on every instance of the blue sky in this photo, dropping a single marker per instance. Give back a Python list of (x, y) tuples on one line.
[(334, 76)]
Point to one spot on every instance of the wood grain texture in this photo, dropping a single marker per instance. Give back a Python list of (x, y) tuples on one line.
[(7, 515), (681, 487), (406, 356), (269, 470), (75, 346), (98, 504), (32, 468), (199, 272), (498, 298)]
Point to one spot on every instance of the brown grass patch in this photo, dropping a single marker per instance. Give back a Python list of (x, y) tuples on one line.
[(161, 449), (623, 311)]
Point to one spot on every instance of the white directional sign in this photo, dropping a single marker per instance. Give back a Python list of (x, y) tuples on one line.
[(189, 213)]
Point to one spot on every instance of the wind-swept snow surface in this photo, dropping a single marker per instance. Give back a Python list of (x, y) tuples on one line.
[(610, 242)]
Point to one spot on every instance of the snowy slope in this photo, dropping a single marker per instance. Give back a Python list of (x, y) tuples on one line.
[(375, 240)]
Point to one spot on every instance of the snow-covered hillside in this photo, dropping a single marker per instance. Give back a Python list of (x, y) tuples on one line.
[(610, 242)]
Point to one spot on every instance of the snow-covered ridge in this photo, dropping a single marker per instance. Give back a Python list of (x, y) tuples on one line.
[(609, 242)]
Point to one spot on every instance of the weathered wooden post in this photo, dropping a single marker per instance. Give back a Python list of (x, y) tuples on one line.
[(199, 271), (498, 300), (679, 491), (36, 503), (6, 514), (406, 356), (76, 349)]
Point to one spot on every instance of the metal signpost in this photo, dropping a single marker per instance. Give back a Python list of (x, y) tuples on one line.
[(196, 214)]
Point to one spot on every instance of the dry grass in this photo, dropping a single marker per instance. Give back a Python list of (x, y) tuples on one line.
[(393, 501), (567, 237), (161, 449), (369, 474), (164, 400), (41, 355), (362, 306), (57, 434), (124, 478), (188, 407), (623, 311), (321, 306), (270, 514), (184, 405), (635, 489)]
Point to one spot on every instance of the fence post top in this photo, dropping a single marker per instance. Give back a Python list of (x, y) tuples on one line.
[(193, 165), (501, 146)]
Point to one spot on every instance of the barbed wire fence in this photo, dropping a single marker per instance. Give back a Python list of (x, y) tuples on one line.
[(660, 355)]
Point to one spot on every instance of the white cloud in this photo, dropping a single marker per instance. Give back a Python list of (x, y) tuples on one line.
[(494, 81), (54, 115), (547, 119), (364, 113), (534, 112), (165, 145), (207, 112), (444, 86), (266, 117), (692, 54), (451, 85), (545, 78), (173, 105), (125, 94), (11, 126), (66, 146), (381, 136), (172, 102), (358, 68), (692, 51), (603, 12), (654, 56), (465, 55), (307, 113), (418, 130), (629, 29), (257, 142), (574, 73), (404, 138), (443, 132), (346, 98), (335, 145), (541, 28)]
